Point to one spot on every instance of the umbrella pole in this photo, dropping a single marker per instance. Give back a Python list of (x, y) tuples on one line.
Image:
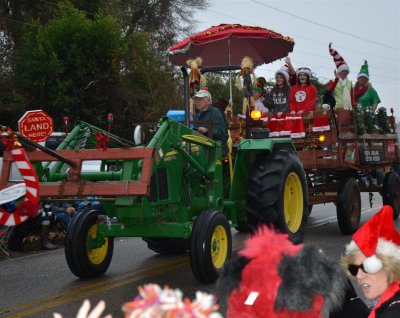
[(230, 89), (230, 74)]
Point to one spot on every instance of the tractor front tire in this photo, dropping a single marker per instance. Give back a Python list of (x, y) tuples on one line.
[(83, 260), (277, 193), (211, 245), (391, 192), (348, 206)]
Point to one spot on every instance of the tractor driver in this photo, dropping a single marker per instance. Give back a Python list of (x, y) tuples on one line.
[(208, 113)]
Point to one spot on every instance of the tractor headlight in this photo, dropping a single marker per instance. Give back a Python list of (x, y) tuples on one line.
[(255, 114)]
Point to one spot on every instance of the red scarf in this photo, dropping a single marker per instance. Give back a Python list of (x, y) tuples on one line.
[(358, 92), (389, 293)]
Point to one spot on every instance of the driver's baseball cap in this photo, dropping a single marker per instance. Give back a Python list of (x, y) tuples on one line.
[(203, 93)]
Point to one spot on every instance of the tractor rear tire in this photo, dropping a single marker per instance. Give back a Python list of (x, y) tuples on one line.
[(211, 245), (391, 192), (167, 245), (348, 207), (277, 193), (83, 261)]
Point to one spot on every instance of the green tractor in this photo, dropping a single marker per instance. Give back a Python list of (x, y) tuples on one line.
[(170, 192)]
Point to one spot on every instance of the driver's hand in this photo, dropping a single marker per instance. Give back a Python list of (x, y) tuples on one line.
[(202, 130)]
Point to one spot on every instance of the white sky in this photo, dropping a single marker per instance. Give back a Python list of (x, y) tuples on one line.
[(375, 21)]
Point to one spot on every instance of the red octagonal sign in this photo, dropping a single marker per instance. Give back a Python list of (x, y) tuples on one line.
[(36, 125)]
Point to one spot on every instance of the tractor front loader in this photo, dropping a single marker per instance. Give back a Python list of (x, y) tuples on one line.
[(169, 192)]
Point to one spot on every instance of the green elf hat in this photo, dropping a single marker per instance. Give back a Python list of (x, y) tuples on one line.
[(363, 71), (258, 89)]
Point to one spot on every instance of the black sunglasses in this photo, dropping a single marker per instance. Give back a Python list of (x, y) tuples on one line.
[(353, 269)]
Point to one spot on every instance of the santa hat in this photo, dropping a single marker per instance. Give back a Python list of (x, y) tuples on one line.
[(363, 71), (340, 63), (286, 125), (288, 281), (378, 235), (321, 123), (305, 70), (284, 70), (273, 127), (298, 130)]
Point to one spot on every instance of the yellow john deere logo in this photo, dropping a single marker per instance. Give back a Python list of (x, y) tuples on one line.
[(198, 139)]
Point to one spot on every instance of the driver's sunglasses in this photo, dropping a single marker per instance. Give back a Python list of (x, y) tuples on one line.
[(353, 269)]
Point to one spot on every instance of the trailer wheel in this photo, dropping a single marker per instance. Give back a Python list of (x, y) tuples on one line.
[(391, 192), (83, 258), (277, 193), (348, 207), (167, 245), (211, 245)]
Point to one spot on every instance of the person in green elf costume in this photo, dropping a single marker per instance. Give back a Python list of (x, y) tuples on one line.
[(364, 93)]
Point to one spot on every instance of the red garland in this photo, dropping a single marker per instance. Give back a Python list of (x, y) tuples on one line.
[(102, 141), (9, 139)]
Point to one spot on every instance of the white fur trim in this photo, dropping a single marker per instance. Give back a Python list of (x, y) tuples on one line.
[(284, 73), (384, 247), (343, 67), (305, 70), (362, 75), (298, 135), (285, 133), (321, 128), (351, 247), (372, 264), (388, 248)]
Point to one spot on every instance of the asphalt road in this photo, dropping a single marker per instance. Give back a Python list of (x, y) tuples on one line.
[(38, 285)]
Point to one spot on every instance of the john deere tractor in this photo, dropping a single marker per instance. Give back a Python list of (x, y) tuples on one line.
[(170, 192)]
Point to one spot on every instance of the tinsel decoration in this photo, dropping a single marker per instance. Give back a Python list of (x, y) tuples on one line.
[(370, 120), (359, 119), (382, 118), (311, 140)]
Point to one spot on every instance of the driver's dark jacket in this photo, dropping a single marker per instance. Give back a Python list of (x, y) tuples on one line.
[(219, 129)]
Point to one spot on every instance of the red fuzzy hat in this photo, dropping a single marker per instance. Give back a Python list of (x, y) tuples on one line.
[(340, 63), (272, 277), (378, 235)]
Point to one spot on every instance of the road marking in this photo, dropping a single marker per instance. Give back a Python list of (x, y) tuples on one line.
[(328, 220), (94, 288)]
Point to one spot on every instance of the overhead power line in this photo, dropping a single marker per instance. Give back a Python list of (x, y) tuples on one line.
[(302, 37), (325, 26)]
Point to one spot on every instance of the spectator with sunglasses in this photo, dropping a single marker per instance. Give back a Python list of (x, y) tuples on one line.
[(303, 96), (372, 258)]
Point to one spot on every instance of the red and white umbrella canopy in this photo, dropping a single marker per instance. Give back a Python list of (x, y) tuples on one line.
[(227, 44)]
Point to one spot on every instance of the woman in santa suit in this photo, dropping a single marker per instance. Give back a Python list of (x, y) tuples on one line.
[(303, 96)]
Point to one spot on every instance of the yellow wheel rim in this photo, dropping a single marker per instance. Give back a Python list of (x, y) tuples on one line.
[(219, 246), (293, 202), (97, 255)]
